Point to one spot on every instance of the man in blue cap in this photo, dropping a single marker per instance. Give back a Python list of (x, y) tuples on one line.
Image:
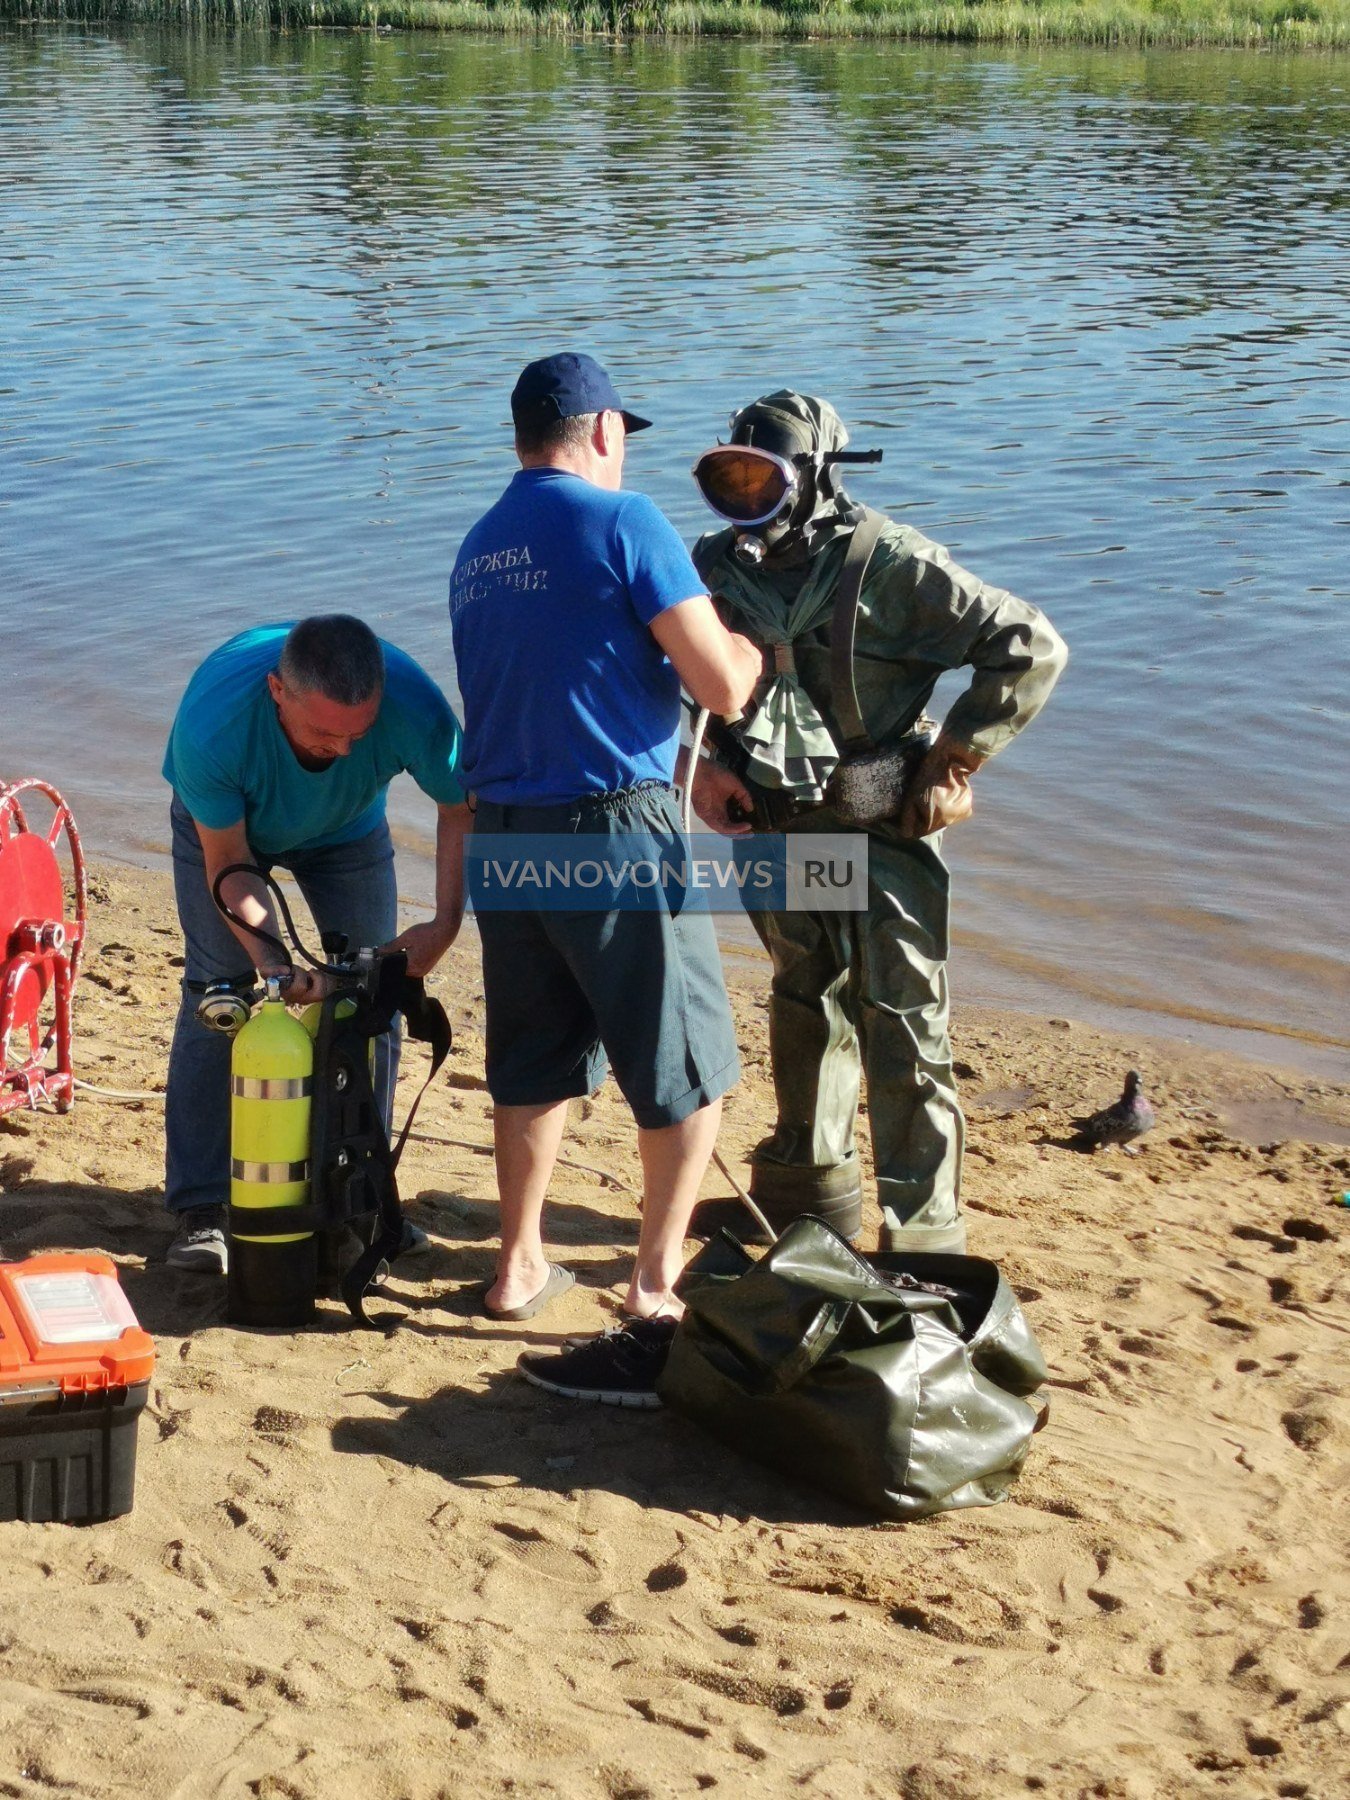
[(577, 614)]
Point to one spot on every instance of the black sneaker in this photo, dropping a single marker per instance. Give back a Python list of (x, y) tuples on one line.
[(621, 1368), (200, 1242)]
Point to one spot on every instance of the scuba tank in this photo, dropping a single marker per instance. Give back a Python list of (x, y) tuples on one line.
[(313, 1173), (272, 1279)]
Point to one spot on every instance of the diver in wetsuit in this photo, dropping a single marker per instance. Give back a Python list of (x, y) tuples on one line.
[(839, 742)]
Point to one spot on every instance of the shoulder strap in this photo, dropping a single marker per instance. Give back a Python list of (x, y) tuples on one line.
[(353, 1169), (424, 1018), (844, 629)]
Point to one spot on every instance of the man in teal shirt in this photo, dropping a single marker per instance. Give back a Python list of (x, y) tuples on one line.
[(282, 752)]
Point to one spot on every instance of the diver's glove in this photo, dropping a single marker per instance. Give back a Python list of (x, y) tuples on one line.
[(939, 793)]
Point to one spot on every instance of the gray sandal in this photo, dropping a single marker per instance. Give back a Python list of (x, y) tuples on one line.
[(559, 1280)]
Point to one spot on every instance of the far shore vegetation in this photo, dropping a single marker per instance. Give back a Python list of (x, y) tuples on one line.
[(1134, 24)]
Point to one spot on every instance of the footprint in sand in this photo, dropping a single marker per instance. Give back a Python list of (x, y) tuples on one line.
[(275, 1787), (169, 1419), (1257, 1234), (542, 1556), (278, 1682), (109, 1696), (779, 1697), (1311, 1231), (276, 1424), (1053, 1504), (421, 1631), (1109, 1603), (665, 1576), (181, 1559), (1092, 1589), (932, 1624), (1307, 1427), (275, 1541), (654, 1715), (741, 1635)]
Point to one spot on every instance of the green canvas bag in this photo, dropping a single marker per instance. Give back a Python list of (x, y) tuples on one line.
[(902, 1383)]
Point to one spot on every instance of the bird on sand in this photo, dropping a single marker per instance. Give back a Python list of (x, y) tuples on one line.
[(1129, 1118)]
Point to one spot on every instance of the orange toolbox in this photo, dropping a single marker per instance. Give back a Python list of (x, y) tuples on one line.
[(75, 1372)]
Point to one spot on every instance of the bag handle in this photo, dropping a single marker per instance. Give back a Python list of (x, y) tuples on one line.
[(816, 1342)]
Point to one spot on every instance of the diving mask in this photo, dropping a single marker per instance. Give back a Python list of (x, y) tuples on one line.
[(744, 485), (752, 488)]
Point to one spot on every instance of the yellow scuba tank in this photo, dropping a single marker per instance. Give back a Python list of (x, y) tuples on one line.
[(312, 1017), (272, 1276)]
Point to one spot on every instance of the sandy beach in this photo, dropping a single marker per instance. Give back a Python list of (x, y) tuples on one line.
[(384, 1566)]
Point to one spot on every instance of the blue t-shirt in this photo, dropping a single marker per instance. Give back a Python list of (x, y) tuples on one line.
[(566, 692), (228, 758)]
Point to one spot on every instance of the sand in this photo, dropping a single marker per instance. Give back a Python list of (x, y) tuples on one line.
[(373, 1566)]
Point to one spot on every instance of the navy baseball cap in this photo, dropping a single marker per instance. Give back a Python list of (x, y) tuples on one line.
[(561, 387)]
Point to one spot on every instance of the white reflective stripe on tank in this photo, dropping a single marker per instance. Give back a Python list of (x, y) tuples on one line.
[(260, 1171), (253, 1087)]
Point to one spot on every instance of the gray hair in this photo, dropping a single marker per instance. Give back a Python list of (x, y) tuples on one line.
[(552, 435), (334, 655)]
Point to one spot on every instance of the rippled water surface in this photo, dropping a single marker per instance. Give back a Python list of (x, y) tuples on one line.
[(262, 302)]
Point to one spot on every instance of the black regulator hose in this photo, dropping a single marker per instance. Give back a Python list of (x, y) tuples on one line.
[(267, 937)]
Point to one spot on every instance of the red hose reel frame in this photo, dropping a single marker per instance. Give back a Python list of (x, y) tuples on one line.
[(40, 950)]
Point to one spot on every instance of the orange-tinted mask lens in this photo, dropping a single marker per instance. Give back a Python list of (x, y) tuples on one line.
[(743, 486)]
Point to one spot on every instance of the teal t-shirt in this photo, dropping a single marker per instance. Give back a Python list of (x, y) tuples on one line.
[(228, 758)]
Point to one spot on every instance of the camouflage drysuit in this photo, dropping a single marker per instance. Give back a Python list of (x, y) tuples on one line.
[(855, 990)]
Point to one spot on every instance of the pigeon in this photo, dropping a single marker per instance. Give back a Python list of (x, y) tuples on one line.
[(1129, 1118)]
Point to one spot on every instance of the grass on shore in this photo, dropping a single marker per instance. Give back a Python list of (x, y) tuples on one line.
[(1283, 24)]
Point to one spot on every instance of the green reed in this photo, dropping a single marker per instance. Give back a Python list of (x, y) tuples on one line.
[(1255, 24)]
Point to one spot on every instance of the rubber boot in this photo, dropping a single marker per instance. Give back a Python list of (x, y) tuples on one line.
[(942, 1240), (784, 1192)]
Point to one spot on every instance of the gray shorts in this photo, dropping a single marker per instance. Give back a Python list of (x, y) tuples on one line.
[(568, 992)]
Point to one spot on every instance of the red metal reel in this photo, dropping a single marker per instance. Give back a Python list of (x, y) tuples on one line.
[(40, 950)]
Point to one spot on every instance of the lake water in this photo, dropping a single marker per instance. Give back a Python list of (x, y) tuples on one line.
[(262, 301)]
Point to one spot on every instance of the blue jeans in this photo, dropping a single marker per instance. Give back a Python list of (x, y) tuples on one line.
[(348, 887)]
